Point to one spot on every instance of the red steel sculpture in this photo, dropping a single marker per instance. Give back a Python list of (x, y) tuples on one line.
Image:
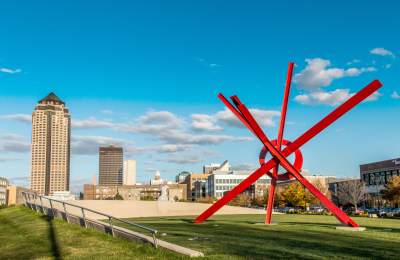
[(279, 155)]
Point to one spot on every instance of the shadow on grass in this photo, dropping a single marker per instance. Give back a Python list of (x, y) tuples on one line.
[(55, 248)]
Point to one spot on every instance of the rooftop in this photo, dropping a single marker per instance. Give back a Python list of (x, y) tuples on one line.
[(53, 98)]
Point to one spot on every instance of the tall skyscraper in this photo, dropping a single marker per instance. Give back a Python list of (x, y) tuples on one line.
[(110, 165), (50, 150), (129, 172)]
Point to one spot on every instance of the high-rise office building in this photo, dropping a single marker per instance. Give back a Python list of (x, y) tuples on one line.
[(110, 165), (50, 150), (129, 172)]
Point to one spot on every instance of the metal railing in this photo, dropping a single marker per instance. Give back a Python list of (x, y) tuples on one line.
[(28, 197)]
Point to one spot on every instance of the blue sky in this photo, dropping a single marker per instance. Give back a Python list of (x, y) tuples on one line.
[(145, 74)]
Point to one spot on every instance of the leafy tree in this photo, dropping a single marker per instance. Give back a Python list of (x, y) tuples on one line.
[(279, 200), (243, 200), (392, 190), (118, 197), (260, 201), (351, 192), (296, 195), (322, 188)]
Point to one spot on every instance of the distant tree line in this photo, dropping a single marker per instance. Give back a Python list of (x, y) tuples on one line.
[(349, 194)]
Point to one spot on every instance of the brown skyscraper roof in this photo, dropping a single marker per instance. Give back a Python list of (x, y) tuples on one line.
[(52, 97)]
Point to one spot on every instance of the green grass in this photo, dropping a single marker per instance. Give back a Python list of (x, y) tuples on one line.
[(25, 234), (296, 236)]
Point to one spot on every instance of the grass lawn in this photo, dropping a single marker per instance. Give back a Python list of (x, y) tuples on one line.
[(296, 236), (25, 234)]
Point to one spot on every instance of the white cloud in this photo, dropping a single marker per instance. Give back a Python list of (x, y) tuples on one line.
[(91, 144), (382, 52), (155, 122), (183, 160), (14, 143), (203, 122), (15, 146), (353, 61), (171, 148), (373, 97), (330, 98), (10, 71), (205, 63), (351, 72), (317, 74), (25, 118), (181, 137), (214, 65), (395, 95), (107, 112), (152, 123), (8, 159), (170, 129), (91, 123), (263, 117), (245, 167), (388, 66), (160, 117)]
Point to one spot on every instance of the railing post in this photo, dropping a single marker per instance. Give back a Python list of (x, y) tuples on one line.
[(36, 206), (65, 211), (84, 218), (52, 210), (155, 240), (41, 204), (111, 225), (29, 201), (24, 196)]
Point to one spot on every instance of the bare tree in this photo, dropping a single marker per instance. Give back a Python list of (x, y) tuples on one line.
[(352, 191)]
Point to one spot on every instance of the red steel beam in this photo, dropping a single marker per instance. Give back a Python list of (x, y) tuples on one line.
[(340, 215), (309, 134), (271, 193)]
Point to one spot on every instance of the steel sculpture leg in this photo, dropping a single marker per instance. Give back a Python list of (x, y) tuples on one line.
[(271, 194)]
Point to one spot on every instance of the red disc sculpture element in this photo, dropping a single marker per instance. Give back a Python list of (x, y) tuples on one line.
[(279, 155), (298, 160)]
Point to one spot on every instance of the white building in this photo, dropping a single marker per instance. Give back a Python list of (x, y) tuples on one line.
[(62, 195), (157, 179), (220, 182), (3, 191), (129, 172), (210, 168)]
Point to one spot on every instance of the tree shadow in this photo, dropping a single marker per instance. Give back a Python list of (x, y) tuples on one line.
[(55, 248)]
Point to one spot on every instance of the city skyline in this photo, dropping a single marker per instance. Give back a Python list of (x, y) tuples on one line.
[(159, 101)]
